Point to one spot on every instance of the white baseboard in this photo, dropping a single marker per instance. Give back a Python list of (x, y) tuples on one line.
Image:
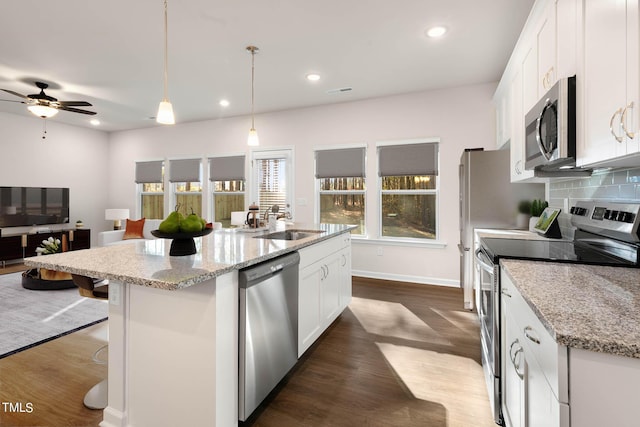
[(405, 278)]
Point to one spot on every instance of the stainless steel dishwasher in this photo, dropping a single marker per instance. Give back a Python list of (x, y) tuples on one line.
[(268, 341)]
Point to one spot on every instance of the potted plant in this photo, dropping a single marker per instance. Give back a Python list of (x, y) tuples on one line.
[(537, 207), (524, 213)]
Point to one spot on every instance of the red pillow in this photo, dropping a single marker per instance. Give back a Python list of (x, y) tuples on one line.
[(134, 229)]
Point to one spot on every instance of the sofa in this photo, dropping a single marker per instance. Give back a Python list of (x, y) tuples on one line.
[(114, 237)]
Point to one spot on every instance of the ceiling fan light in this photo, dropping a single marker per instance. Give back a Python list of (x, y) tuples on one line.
[(42, 111), (253, 140), (165, 113)]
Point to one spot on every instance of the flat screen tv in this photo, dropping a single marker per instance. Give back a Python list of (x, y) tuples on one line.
[(28, 206)]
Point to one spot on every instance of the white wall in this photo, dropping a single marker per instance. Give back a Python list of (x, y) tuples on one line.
[(69, 157), (461, 117)]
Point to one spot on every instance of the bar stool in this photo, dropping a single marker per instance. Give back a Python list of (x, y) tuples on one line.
[(97, 397)]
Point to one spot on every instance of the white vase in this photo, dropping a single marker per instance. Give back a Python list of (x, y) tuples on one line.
[(522, 221), (532, 222)]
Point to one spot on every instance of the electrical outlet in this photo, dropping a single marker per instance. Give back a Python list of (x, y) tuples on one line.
[(380, 251)]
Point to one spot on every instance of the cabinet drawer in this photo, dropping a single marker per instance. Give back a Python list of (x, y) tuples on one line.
[(317, 251), (551, 357)]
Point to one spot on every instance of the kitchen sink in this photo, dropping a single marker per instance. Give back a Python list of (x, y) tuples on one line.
[(289, 234)]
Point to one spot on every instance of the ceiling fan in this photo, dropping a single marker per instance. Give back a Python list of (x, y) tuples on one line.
[(45, 106)]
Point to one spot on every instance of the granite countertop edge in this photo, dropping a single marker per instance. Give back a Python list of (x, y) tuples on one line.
[(198, 277), (573, 322)]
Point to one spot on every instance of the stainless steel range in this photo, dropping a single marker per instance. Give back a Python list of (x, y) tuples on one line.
[(605, 234)]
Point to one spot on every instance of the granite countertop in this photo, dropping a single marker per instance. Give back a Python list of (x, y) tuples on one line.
[(147, 262), (583, 306)]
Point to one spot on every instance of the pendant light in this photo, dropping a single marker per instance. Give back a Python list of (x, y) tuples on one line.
[(253, 134), (165, 110)]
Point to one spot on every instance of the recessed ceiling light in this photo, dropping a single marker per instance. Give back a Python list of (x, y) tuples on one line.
[(313, 77), (95, 122), (436, 31), (224, 103)]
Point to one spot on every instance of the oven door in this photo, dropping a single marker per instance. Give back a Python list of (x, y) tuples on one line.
[(488, 311)]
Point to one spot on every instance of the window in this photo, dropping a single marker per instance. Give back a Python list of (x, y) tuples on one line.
[(272, 172), (340, 175), (408, 190), (228, 187), (185, 177), (149, 177)]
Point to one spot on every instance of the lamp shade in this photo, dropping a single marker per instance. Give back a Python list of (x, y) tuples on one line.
[(116, 214), (253, 140), (165, 113), (43, 111)]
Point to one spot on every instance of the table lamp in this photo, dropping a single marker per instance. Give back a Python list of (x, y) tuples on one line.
[(116, 215)]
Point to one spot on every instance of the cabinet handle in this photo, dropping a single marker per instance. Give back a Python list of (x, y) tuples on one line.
[(623, 121), (532, 338), (517, 167), (513, 356), (344, 260), (505, 293), (618, 138)]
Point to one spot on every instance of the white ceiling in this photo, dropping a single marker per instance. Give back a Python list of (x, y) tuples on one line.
[(110, 53)]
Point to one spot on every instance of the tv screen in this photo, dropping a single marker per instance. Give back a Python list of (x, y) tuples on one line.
[(27, 206)]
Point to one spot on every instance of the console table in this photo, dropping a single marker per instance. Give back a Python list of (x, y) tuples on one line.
[(19, 246)]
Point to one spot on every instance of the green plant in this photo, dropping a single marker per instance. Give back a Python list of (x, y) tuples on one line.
[(538, 206), (524, 207)]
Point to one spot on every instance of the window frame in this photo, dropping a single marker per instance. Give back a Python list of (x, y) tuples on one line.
[(140, 193), (380, 192), (288, 154), (212, 185), (173, 187), (319, 192)]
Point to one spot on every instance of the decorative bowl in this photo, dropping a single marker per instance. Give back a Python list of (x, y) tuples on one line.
[(182, 243)]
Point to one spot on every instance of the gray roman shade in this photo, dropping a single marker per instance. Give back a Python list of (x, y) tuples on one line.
[(186, 170), (149, 172), (226, 168), (340, 163), (409, 159)]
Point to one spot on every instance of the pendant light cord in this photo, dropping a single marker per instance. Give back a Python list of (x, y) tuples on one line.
[(253, 55), (166, 60)]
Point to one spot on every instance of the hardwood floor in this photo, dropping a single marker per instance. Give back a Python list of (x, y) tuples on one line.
[(400, 355)]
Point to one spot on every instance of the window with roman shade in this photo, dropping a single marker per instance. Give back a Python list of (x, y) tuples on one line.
[(228, 184), (340, 178), (185, 176), (150, 180), (408, 185)]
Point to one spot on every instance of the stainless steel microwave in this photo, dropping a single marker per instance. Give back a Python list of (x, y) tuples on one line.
[(550, 128)]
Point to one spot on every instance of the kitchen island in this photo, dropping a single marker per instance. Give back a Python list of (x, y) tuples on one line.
[(576, 328), (173, 321)]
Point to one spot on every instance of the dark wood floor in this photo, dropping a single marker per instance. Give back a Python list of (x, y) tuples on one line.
[(400, 355)]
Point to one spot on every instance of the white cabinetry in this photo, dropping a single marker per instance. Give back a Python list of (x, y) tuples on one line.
[(324, 289), (535, 384), (610, 84), (518, 172)]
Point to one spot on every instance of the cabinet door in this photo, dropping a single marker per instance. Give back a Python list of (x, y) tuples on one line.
[(546, 39), (518, 172), (604, 83), (514, 370), (331, 281), (10, 248), (542, 407), (530, 79), (309, 306), (345, 278)]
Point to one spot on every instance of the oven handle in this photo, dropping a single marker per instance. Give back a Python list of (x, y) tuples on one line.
[(486, 265)]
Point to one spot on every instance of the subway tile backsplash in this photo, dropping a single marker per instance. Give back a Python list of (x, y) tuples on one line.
[(615, 185)]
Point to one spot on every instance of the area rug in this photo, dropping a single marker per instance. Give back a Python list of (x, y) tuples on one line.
[(29, 318)]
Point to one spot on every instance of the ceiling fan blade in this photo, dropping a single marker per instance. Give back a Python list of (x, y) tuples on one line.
[(74, 104), (12, 100), (15, 93), (76, 110)]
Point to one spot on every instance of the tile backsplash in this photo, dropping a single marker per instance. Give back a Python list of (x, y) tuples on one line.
[(615, 185)]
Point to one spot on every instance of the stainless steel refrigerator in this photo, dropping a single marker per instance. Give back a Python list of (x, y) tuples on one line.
[(488, 199)]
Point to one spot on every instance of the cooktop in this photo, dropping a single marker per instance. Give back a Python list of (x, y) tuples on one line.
[(561, 251)]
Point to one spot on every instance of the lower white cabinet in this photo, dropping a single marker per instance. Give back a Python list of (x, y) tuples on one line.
[(324, 287), (535, 380)]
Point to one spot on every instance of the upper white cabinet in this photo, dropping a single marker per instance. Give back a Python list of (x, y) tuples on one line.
[(518, 172), (609, 84)]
